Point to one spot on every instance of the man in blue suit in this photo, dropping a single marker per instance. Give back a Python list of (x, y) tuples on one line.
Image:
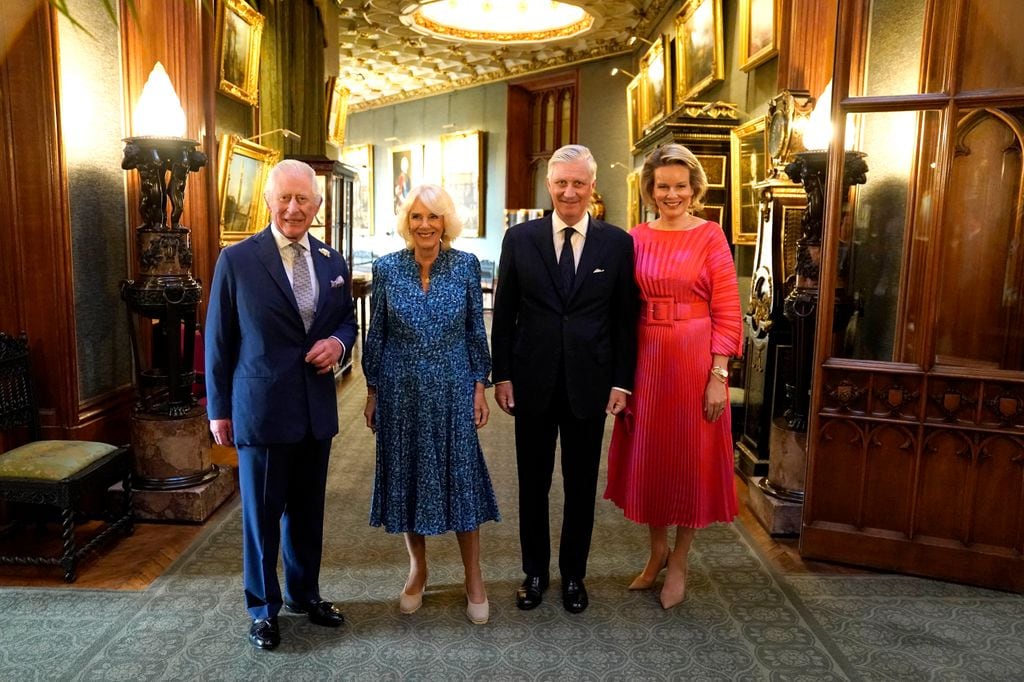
[(564, 351), (280, 316)]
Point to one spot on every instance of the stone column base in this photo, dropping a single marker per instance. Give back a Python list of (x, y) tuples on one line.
[(777, 516), (191, 505)]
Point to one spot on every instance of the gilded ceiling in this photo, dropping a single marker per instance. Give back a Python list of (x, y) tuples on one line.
[(382, 61)]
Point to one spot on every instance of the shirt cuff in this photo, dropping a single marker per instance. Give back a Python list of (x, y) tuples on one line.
[(340, 344), (623, 390)]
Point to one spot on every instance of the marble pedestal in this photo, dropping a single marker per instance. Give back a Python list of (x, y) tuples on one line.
[(174, 476), (777, 499)]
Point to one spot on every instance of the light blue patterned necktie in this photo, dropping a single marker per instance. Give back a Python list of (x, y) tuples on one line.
[(302, 285)]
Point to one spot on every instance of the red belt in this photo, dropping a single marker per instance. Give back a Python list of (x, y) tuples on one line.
[(666, 310)]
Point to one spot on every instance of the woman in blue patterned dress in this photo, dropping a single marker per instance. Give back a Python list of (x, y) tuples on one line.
[(427, 364)]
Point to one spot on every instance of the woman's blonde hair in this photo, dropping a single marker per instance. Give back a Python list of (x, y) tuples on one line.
[(437, 200), (669, 154)]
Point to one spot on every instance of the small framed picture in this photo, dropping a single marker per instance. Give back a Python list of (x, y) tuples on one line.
[(759, 30), (700, 55), (654, 92), (713, 213), (714, 169), (634, 111), (406, 171), (749, 169), (462, 170), (360, 157), (243, 171), (239, 33), (337, 111)]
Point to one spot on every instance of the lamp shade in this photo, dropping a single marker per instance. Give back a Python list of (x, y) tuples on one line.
[(158, 112)]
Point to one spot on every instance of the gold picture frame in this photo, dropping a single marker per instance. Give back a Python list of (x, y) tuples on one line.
[(634, 111), (714, 169), (239, 35), (749, 149), (713, 213), (634, 200), (360, 157), (406, 171), (759, 30), (656, 102), (337, 112), (700, 54), (462, 172), (243, 171)]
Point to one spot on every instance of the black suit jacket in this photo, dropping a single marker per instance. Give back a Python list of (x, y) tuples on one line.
[(537, 327)]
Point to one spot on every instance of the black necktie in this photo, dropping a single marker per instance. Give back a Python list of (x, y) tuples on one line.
[(566, 262)]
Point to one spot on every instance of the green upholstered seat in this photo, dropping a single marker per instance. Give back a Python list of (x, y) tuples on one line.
[(51, 460)]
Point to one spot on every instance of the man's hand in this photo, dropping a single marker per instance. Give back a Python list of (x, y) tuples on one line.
[(503, 396), (616, 402), (324, 354), (480, 410), (222, 432)]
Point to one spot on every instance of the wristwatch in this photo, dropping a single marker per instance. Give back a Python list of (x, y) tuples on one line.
[(720, 372)]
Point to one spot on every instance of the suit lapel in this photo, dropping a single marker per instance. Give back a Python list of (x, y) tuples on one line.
[(268, 254), (545, 245), (321, 270), (593, 248)]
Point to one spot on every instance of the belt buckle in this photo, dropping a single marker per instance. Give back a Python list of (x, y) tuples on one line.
[(659, 310)]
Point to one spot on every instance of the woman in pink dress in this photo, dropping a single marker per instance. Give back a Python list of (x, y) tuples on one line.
[(670, 460)]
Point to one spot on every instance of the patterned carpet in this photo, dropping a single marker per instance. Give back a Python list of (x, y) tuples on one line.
[(741, 619)]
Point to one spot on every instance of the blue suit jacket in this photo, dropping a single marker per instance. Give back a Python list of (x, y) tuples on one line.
[(588, 333), (256, 342)]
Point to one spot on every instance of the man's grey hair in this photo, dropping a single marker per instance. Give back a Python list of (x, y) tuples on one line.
[(291, 167), (571, 153)]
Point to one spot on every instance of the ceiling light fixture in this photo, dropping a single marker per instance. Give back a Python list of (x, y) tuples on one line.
[(490, 21), (616, 71), (633, 40)]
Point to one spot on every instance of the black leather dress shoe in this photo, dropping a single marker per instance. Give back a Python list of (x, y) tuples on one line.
[(574, 596), (320, 613), (263, 633), (531, 592)]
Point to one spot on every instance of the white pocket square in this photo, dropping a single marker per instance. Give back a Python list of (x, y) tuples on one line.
[(598, 270), (338, 281)]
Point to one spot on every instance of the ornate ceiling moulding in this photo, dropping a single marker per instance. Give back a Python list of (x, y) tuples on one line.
[(383, 60), (498, 21)]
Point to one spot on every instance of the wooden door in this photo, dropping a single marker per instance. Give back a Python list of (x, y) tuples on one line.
[(916, 441)]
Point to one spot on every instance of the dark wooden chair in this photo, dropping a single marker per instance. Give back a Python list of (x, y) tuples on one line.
[(487, 282), (71, 476)]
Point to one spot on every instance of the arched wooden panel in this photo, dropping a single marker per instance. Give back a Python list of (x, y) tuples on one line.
[(889, 473), (997, 509), (939, 511), (842, 472)]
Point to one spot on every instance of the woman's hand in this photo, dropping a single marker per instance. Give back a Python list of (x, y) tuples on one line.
[(370, 411), (480, 410), (716, 398)]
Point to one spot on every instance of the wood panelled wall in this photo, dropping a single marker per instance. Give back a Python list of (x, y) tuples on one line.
[(35, 232), (807, 47)]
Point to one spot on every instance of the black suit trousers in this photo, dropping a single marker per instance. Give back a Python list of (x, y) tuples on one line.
[(536, 435)]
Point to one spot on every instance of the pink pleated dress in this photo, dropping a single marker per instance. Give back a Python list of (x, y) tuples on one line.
[(667, 465)]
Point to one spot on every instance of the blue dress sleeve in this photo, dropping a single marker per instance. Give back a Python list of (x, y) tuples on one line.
[(476, 334), (376, 335)]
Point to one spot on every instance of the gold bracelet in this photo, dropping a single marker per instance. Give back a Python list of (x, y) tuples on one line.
[(720, 373)]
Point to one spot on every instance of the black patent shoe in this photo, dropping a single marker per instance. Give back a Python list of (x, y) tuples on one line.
[(320, 612), (263, 633), (531, 593), (574, 596)]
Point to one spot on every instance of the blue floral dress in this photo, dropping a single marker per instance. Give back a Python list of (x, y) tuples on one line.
[(424, 353)]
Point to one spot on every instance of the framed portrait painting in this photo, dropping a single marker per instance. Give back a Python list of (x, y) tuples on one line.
[(406, 171), (654, 76), (337, 112), (239, 34), (700, 55), (749, 169), (759, 30), (462, 166), (634, 110), (360, 157), (243, 171)]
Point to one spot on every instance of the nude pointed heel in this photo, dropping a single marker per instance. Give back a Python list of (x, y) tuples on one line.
[(478, 614)]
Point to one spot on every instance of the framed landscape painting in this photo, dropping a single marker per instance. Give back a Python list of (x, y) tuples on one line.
[(462, 165), (239, 34), (243, 171)]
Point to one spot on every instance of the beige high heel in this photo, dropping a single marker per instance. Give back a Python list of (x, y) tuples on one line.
[(645, 581), (410, 603), (478, 614)]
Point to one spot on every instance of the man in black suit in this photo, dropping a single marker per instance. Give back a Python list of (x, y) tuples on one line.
[(564, 351)]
